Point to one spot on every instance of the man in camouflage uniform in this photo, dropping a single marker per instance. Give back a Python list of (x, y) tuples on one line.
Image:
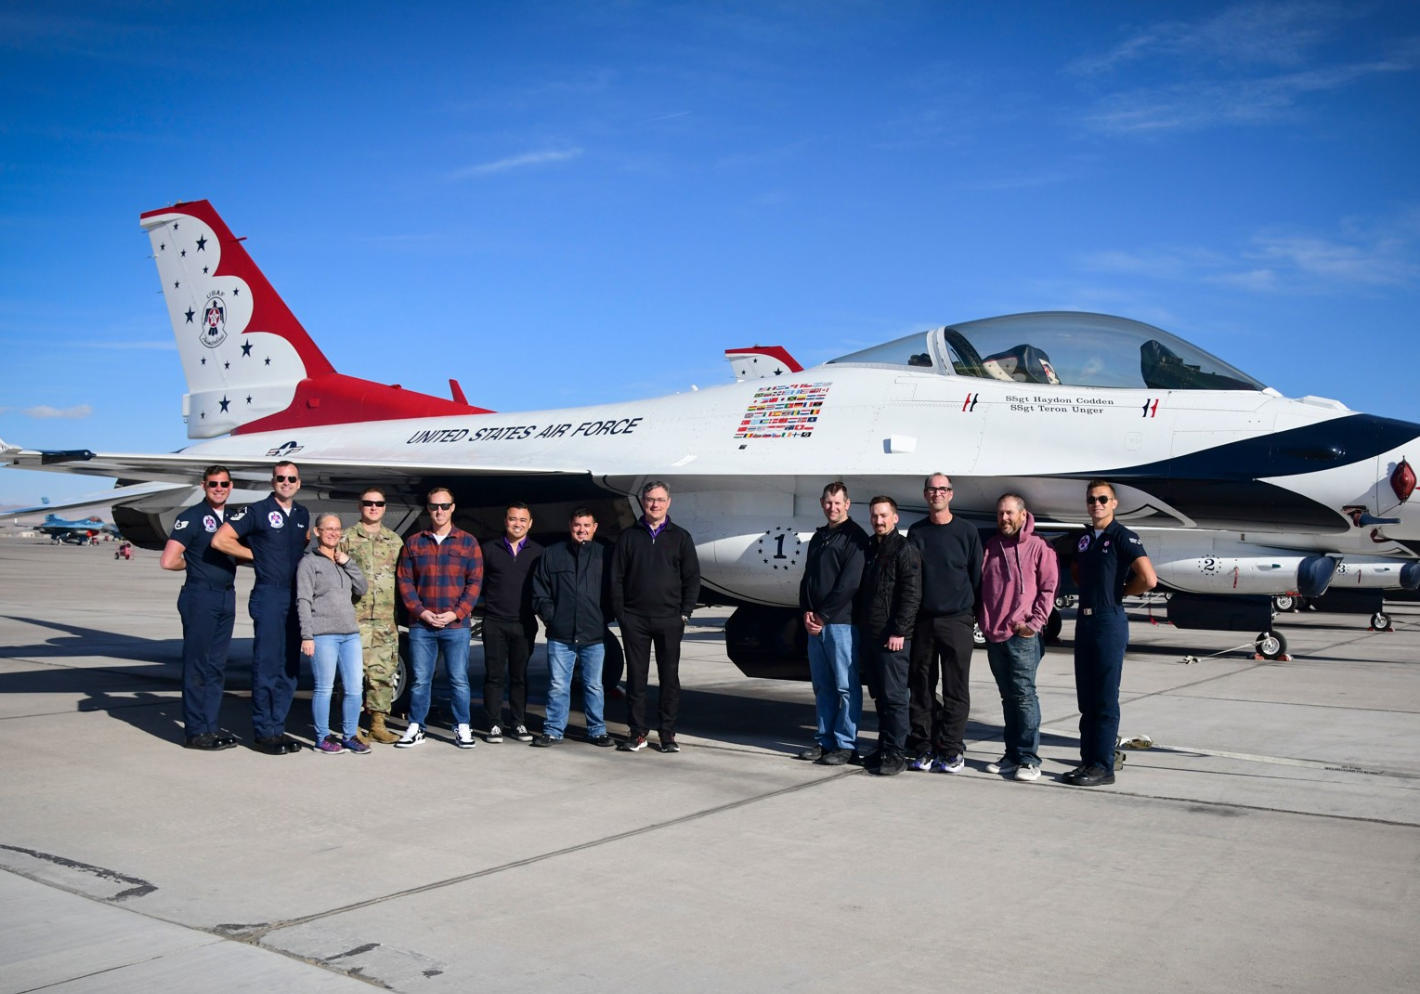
[(376, 550)]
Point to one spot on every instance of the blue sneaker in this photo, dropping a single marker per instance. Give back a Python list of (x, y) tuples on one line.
[(954, 763), (922, 762), (354, 745)]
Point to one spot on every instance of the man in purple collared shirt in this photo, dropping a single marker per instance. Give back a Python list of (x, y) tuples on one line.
[(509, 625), (655, 581), (440, 573)]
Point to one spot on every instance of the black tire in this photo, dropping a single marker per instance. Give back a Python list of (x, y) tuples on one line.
[(1271, 645), (1380, 621), (1284, 602)]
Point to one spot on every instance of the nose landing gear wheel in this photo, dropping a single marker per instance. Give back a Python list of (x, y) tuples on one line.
[(1271, 645)]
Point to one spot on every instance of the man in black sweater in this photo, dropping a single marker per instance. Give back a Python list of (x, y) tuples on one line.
[(951, 588), (509, 625), (833, 569), (655, 581)]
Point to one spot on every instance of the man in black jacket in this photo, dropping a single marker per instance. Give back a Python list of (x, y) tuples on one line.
[(569, 594), (832, 571), (509, 628), (885, 611), (655, 581)]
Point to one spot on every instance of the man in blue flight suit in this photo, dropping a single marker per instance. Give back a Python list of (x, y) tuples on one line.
[(208, 606), (275, 531), (1109, 565)]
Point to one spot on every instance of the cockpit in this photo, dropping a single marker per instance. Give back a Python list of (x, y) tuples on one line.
[(1060, 347)]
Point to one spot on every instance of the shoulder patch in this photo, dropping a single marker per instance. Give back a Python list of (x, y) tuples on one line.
[(180, 525), (238, 516)]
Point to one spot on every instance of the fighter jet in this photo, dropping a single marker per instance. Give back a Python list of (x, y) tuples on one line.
[(74, 532), (1245, 493)]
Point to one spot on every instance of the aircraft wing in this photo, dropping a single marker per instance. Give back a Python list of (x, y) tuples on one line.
[(336, 476)]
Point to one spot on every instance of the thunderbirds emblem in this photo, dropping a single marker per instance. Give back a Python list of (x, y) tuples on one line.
[(214, 321)]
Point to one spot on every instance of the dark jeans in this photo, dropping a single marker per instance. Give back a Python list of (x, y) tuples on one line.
[(887, 682), (507, 644), (1013, 664), (638, 634), (275, 657), (940, 644), (1100, 641), (207, 617)]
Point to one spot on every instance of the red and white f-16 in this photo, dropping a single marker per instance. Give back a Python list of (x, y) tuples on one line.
[(1236, 489)]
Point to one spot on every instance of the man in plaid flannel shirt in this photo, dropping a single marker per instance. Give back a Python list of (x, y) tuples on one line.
[(439, 576)]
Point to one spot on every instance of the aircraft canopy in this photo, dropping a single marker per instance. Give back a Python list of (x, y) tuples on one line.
[(1061, 347)]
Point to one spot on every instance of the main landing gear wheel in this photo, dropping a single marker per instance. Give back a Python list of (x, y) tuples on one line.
[(1271, 645), (1380, 621), (1284, 602)]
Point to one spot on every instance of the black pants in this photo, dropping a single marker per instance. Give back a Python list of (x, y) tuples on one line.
[(507, 644), (945, 640), (207, 614), (1100, 641), (887, 673), (638, 634), (275, 657)]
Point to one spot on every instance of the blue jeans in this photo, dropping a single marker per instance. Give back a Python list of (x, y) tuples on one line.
[(337, 652), (1013, 664), (838, 695), (561, 657), (424, 646)]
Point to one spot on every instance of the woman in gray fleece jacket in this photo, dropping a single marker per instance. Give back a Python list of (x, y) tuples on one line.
[(327, 583)]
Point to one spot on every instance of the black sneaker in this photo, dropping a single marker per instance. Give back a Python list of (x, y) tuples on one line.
[(669, 744), (890, 766), (494, 734), (521, 733), (545, 741), (632, 744), (869, 759), (603, 741), (812, 754), (835, 757), (1094, 775)]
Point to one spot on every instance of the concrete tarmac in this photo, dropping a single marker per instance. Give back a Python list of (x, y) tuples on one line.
[(1269, 840)]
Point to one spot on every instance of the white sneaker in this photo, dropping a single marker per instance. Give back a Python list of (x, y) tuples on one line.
[(1002, 766), (1027, 772), (954, 763), (463, 737), (413, 735)]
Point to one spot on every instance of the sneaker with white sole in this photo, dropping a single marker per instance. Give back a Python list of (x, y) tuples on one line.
[(1026, 772), (1003, 766), (413, 736), (463, 737), (495, 734), (954, 763), (921, 762), (521, 733)]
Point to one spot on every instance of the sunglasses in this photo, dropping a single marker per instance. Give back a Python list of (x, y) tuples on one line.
[(1100, 499), (372, 503), (286, 479), (215, 485), (441, 507)]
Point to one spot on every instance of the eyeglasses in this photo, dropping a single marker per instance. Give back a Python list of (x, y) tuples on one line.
[(1100, 499), (286, 479), (655, 500), (442, 507), (936, 490), (372, 503), (218, 485)]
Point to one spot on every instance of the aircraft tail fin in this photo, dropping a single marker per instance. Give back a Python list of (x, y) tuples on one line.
[(250, 365), (761, 362)]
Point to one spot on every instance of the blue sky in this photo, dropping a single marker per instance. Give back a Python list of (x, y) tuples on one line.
[(563, 203)]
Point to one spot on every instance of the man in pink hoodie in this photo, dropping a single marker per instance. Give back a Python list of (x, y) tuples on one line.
[(1018, 581)]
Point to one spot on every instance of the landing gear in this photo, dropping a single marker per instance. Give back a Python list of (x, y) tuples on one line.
[(1271, 645), (1283, 603), (1380, 622)]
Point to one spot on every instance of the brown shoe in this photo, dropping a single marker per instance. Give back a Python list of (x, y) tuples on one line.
[(378, 731)]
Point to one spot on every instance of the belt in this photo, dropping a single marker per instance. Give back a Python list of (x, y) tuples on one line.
[(1087, 610), (203, 585)]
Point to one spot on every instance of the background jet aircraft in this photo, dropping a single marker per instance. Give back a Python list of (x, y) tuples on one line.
[(77, 532), (1251, 493)]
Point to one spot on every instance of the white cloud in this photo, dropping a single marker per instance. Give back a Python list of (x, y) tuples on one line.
[(45, 411), (516, 162), (1272, 261)]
